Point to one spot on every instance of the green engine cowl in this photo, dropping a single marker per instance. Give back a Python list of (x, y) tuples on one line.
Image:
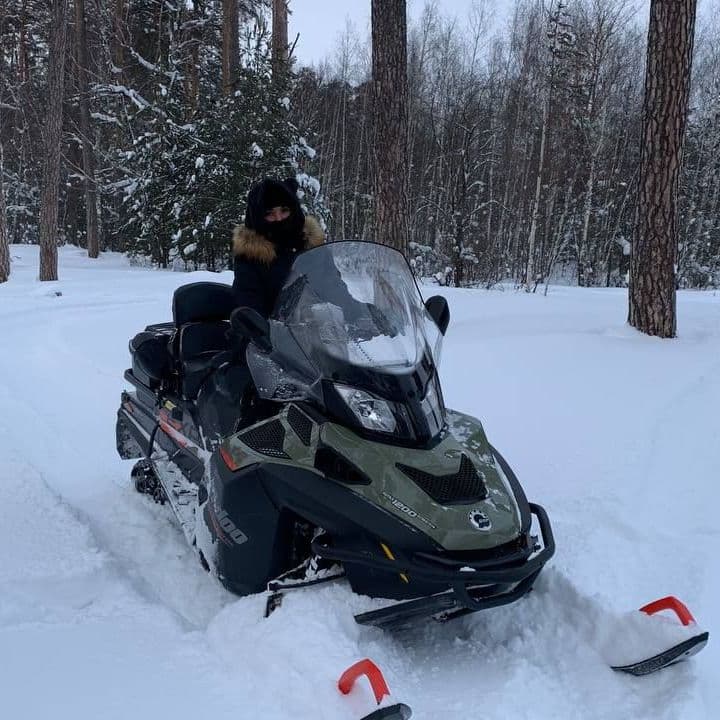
[(404, 522), (455, 492)]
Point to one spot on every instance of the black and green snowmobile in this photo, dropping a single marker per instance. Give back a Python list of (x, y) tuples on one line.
[(316, 445)]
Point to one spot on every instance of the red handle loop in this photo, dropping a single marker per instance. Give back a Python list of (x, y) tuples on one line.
[(669, 603), (371, 671)]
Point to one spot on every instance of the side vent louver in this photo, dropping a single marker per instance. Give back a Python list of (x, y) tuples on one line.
[(267, 439), (335, 466), (467, 485), (301, 424)]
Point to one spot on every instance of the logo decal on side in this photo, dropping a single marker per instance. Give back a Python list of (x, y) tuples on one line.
[(479, 520), (402, 507), (225, 527)]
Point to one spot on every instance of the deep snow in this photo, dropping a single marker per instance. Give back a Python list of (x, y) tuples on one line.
[(105, 613)]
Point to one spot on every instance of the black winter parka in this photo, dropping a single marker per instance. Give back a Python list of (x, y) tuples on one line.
[(261, 267)]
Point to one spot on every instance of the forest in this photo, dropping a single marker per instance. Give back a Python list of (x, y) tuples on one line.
[(523, 140)]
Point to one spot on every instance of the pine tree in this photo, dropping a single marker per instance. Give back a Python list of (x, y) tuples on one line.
[(53, 138), (88, 151), (186, 173), (667, 92), (390, 111)]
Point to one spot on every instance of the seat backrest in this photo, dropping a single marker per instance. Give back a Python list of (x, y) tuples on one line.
[(199, 338), (202, 302), (198, 344)]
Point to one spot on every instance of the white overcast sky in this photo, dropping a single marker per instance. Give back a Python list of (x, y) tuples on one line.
[(321, 22)]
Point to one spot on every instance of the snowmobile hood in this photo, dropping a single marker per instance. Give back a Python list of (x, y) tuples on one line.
[(456, 493)]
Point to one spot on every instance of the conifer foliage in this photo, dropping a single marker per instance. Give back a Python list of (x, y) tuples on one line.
[(176, 145)]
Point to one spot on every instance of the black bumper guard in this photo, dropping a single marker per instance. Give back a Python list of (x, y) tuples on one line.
[(473, 585)]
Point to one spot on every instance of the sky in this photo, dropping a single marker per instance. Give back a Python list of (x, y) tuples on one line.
[(321, 22)]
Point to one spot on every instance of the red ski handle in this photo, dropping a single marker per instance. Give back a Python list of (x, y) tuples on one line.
[(669, 603), (373, 673)]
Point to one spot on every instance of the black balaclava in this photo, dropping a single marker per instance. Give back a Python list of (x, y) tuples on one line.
[(270, 193)]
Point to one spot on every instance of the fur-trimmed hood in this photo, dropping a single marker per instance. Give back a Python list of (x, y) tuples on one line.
[(254, 246)]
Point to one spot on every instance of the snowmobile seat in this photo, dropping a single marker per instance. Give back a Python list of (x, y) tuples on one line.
[(150, 357), (198, 343), (202, 302)]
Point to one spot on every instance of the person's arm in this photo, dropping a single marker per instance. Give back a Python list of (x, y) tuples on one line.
[(249, 286)]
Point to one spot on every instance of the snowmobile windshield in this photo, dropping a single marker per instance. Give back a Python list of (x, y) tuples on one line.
[(347, 309)]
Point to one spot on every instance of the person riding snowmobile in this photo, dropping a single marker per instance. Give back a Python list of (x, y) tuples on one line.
[(275, 230), (265, 247)]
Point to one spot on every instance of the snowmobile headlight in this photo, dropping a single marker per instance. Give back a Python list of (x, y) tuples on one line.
[(373, 413)]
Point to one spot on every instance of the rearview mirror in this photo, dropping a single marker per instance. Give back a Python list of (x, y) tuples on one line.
[(250, 324), (439, 311)]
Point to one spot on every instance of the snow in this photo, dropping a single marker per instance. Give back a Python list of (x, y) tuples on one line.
[(103, 117), (105, 612), (306, 181)]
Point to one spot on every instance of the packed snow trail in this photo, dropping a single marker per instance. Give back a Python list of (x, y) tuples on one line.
[(105, 612)]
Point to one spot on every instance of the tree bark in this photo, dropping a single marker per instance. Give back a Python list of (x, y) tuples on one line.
[(88, 152), (390, 142), (4, 239), (665, 109), (279, 38), (117, 49), (230, 45), (194, 39), (53, 138), (530, 283)]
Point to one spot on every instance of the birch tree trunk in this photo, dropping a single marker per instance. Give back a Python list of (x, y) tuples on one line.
[(52, 140), (88, 152), (390, 146), (665, 109)]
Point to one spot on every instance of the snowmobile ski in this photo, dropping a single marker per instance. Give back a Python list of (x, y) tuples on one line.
[(675, 654), (367, 668), (693, 643)]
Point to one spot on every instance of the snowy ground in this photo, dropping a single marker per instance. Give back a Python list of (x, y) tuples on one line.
[(104, 613)]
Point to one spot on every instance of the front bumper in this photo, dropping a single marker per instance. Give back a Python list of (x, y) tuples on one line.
[(472, 585)]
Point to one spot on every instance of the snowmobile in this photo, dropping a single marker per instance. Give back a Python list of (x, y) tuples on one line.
[(315, 445)]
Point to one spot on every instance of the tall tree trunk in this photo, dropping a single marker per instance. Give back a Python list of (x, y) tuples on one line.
[(117, 49), (88, 151), (667, 90), (4, 239), (279, 38), (230, 46), (390, 146), (53, 138), (530, 270), (194, 27)]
